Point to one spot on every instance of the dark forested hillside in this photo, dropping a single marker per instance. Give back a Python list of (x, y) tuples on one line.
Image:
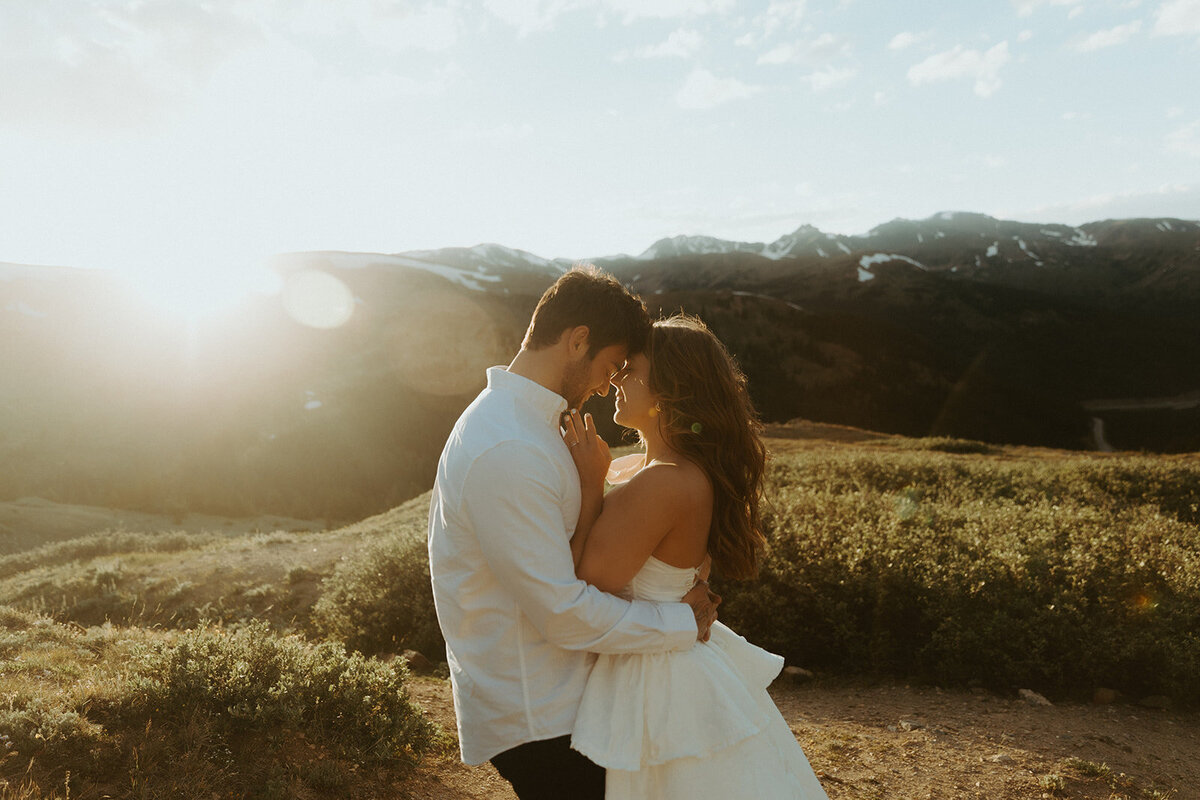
[(958, 325)]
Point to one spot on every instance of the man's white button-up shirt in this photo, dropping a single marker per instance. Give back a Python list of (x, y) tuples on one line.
[(520, 628)]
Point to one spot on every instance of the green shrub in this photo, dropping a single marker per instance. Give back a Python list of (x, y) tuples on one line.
[(944, 444), (208, 712), (1056, 573), (379, 599), (1060, 575), (253, 680)]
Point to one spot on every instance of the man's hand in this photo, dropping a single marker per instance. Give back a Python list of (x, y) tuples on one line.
[(704, 605)]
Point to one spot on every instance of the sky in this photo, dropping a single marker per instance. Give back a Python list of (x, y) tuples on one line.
[(189, 140)]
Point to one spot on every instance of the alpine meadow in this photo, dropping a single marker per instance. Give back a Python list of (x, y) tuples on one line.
[(982, 512)]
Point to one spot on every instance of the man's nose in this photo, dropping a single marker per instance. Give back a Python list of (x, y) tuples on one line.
[(603, 391)]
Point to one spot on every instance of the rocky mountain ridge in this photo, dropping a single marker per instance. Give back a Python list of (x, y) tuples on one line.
[(958, 325)]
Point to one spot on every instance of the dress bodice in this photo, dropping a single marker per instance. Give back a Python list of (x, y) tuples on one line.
[(661, 582)]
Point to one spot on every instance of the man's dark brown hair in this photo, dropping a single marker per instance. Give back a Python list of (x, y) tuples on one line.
[(587, 296)]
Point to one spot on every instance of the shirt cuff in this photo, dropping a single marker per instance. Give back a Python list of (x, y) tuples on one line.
[(682, 625)]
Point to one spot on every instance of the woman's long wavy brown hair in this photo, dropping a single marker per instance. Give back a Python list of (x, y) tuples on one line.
[(707, 417)]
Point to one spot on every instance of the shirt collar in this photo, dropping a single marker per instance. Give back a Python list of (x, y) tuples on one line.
[(546, 403)]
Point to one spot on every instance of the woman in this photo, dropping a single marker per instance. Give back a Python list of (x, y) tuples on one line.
[(694, 724)]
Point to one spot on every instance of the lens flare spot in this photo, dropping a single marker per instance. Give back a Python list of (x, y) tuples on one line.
[(317, 299)]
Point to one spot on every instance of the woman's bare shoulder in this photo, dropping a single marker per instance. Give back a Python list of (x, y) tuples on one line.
[(678, 479)]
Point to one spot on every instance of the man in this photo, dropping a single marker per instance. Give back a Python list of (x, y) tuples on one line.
[(520, 628)]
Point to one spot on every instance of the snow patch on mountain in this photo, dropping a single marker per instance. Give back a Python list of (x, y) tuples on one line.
[(801, 241), (695, 246), (993, 250), (882, 258), (865, 275), (1030, 253), (1082, 239), (495, 254), (471, 279)]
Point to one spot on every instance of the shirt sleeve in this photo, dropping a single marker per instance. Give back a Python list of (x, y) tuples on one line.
[(510, 500)]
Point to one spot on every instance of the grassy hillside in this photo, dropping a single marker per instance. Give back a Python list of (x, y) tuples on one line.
[(935, 560)]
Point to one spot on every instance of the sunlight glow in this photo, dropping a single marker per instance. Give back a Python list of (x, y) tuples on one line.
[(317, 299), (194, 295)]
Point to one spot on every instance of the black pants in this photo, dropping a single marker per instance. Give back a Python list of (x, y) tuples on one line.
[(550, 770)]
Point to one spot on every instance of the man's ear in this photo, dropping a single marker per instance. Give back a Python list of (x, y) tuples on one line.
[(577, 340)]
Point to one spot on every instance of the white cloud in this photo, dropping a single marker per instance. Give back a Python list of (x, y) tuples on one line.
[(827, 46), (109, 64), (781, 54), (1185, 140), (824, 48), (683, 43), (1178, 17), (375, 26), (983, 67), (531, 16), (703, 90), (780, 14), (906, 39), (633, 10), (125, 63), (1108, 38), (1026, 7), (826, 79), (1025, 35), (1175, 112), (355, 24)]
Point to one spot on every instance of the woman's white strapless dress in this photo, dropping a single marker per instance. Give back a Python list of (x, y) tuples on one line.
[(693, 724)]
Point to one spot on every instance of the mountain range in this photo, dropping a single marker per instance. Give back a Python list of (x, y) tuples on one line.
[(1083, 337)]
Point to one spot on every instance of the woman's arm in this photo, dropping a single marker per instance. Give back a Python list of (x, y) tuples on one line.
[(631, 528), (609, 548)]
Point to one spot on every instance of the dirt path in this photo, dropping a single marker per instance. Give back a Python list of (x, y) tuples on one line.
[(870, 741)]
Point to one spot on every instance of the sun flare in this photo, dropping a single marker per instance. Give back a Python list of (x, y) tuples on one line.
[(192, 296)]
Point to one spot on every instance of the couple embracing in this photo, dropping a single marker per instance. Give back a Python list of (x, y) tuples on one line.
[(580, 632)]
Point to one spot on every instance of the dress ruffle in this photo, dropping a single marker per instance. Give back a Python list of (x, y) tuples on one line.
[(647, 709)]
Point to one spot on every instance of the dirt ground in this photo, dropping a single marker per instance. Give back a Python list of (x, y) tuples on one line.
[(868, 741)]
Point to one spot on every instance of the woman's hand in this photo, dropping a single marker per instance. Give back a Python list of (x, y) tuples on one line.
[(589, 451)]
